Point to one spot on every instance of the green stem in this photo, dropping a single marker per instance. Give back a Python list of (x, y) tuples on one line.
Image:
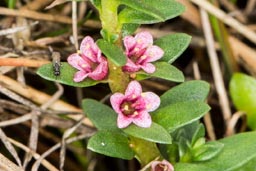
[(118, 80), (145, 151)]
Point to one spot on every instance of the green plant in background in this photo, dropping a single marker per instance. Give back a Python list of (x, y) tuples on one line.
[(162, 133)]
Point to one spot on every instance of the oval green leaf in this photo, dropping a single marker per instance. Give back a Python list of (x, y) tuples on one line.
[(164, 71), (102, 116), (155, 133), (237, 152), (112, 52), (243, 92), (173, 45), (207, 151), (66, 75), (179, 114), (148, 11), (188, 91), (191, 167), (111, 143)]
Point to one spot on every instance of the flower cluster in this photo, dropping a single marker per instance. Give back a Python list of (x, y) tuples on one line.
[(139, 50), (133, 106)]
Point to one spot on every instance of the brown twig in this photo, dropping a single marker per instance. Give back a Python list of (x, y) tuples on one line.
[(250, 6), (46, 17), (207, 117), (44, 162), (55, 147), (217, 76), (233, 121), (41, 98), (242, 29), (7, 165), (21, 61)]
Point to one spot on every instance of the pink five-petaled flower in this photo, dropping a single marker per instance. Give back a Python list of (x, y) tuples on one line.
[(133, 106), (161, 166), (140, 52), (88, 61)]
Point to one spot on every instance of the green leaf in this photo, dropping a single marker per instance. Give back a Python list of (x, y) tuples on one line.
[(243, 92), (168, 72), (114, 53), (111, 143), (148, 11), (155, 133), (188, 91), (173, 45), (102, 116), (191, 167), (179, 114), (164, 71), (199, 133), (129, 29), (206, 151), (143, 7), (237, 152), (97, 4), (66, 75)]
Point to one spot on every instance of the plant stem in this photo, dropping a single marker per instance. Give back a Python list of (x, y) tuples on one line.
[(145, 151), (118, 80)]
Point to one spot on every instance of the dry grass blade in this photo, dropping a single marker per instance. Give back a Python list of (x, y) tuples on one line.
[(55, 3), (56, 146), (16, 97), (16, 29), (7, 165), (44, 162), (66, 134), (74, 23), (207, 117), (41, 98), (242, 29), (33, 138), (250, 6), (54, 98), (9, 147), (214, 62), (15, 121), (233, 121)]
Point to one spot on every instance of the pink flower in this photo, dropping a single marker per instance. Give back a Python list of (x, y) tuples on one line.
[(161, 166), (140, 52), (133, 106), (88, 61)]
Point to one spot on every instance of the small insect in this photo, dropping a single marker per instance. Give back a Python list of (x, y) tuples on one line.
[(56, 63)]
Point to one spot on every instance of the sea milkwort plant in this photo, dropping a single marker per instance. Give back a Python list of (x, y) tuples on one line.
[(164, 132)]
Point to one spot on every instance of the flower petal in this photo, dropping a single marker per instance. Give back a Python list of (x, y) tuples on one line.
[(143, 119), (148, 68), (153, 53), (133, 90), (123, 121), (80, 76), (116, 101), (89, 49), (129, 43), (152, 101), (100, 71), (130, 66), (143, 40), (78, 62)]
